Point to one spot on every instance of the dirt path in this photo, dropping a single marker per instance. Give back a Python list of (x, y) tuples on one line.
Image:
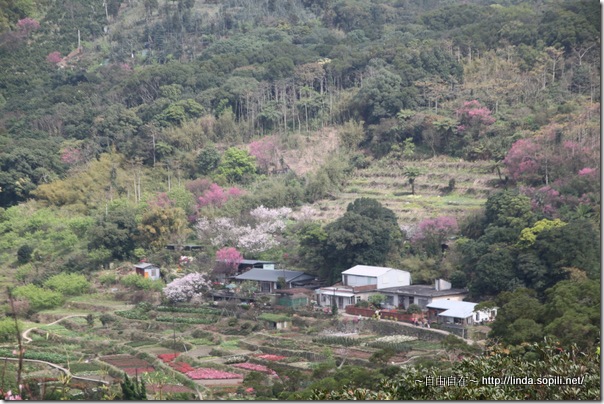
[(58, 367), (66, 371), (25, 334)]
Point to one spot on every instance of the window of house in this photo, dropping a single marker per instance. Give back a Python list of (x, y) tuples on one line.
[(411, 300)]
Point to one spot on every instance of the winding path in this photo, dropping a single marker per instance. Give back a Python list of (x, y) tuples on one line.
[(25, 334), (66, 371)]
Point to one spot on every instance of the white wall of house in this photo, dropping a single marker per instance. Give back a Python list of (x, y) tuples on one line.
[(484, 315), (358, 280), (394, 278)]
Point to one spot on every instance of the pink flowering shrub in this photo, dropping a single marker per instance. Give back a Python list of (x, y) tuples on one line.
[(207, 373), (588, 172), (10, 396)]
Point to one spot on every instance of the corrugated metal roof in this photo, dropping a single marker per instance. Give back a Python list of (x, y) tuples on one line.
[(453, 308), (144, 265)]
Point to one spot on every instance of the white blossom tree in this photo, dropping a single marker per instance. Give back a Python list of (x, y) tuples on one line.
[(190, 286)]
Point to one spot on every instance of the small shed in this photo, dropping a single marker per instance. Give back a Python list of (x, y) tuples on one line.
[(276, 321), (294, 297), (147, 270)]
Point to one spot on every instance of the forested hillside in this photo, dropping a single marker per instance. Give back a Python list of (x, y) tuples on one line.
[(453, 139)]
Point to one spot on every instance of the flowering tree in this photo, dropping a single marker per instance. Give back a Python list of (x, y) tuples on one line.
[(216, 196), (161, 200), (432, 233), (474, 118), (27, 25), (54, 57), (523, 161), (228, 259), (265, 151), (71, 156), (198, 186), (186, 288), (258, 235)]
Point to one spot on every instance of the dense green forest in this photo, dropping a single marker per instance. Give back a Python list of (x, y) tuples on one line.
[(129, 125)]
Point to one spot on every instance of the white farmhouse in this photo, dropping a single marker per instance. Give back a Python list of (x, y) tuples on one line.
[(360, 282)]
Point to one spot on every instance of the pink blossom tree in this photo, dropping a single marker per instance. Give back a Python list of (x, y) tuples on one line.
[(161, 200), (474, 118), (27, 25), (54, 57), (431, 234), (265, 150), (216, 196), (198, 186), (71, 156), (227, 260), (523, 161), (190, 286)]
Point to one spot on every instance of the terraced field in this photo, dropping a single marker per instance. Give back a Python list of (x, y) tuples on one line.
[(474, 182)]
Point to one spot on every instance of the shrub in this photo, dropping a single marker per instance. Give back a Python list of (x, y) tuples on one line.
[(39, 298), (139, 282), (68, 284), (107, 279), (24, 253), (8, 331), (414, 308)]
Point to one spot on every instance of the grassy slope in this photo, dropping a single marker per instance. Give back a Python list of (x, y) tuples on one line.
[(474, 181)]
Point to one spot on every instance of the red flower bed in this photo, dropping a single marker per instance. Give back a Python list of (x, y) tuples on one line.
[(168, 357), (270, 357), (135, 371), (182, 367), (206, 373), (257, 368)]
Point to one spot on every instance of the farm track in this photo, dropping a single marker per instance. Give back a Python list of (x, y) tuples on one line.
[(66, 371)]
